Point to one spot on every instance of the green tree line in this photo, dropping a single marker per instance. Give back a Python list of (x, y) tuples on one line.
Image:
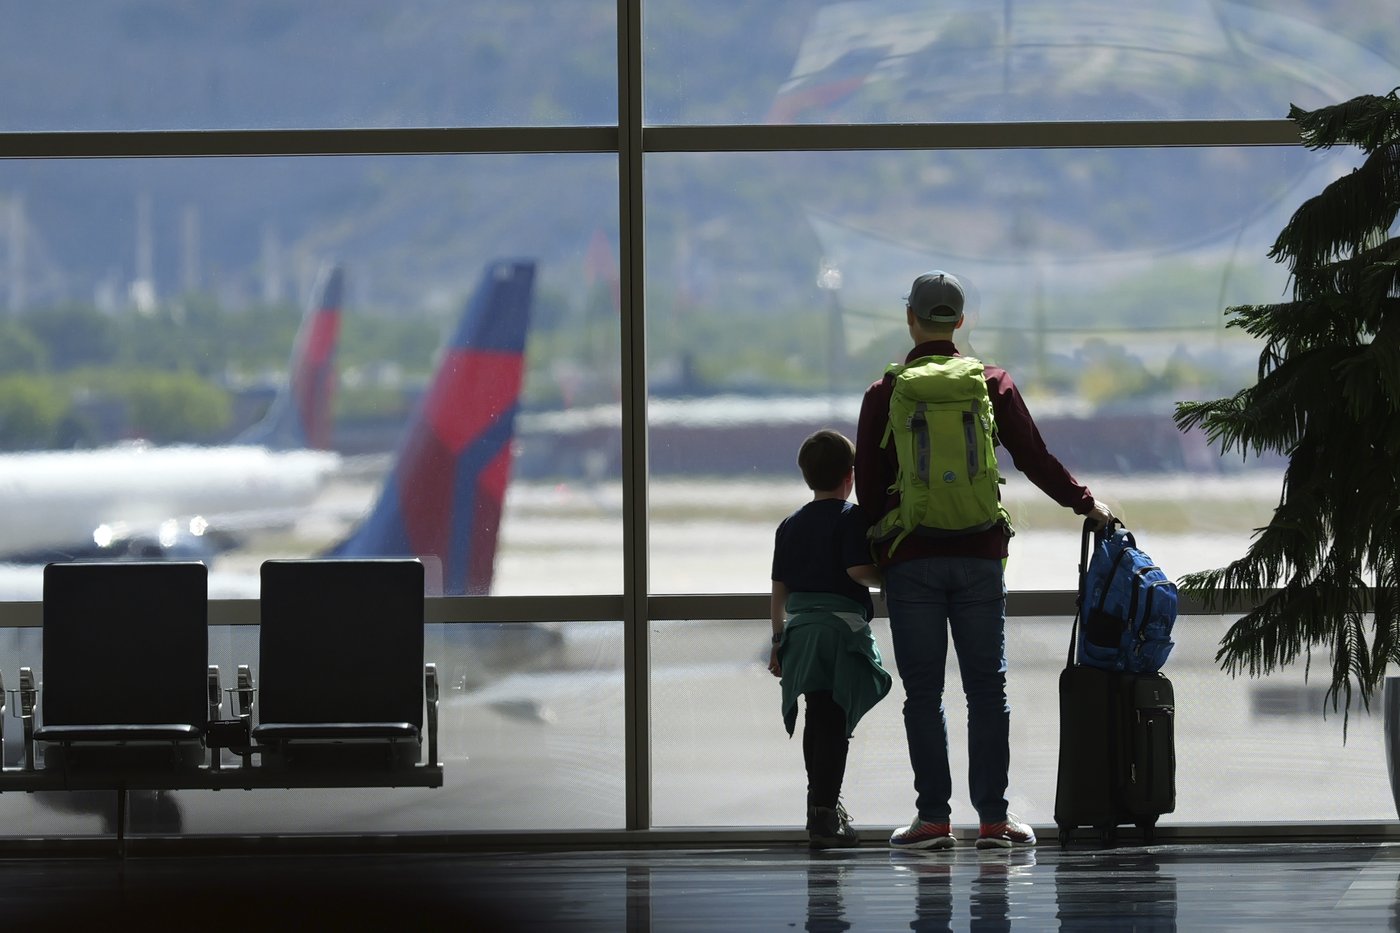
[(74, 376)]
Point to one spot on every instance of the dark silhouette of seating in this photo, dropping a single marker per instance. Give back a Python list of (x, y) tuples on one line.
[(125, 653), (125, 649), (341, 672), (129, 701)]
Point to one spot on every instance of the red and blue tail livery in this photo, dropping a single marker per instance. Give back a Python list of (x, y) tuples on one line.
[(300, 415), (444, 498)]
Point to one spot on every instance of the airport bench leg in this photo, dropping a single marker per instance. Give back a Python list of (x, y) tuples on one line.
[(121, 821)]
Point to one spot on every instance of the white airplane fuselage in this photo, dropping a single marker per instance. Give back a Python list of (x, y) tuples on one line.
[(69, 499)]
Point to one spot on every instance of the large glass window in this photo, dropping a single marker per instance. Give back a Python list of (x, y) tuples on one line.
[(721, 756), (530, 737), (172, 64), (1098, 280), (169, 308), (903, 61), (165, 393)]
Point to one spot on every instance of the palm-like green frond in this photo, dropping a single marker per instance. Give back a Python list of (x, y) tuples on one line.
[(1274, 414), (1367, 122), (1328, 397), (1351, 214)]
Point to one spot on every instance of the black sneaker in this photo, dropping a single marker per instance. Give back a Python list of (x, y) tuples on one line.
[(830, 828)]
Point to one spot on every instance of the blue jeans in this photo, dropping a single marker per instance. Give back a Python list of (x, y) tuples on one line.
[(927, 599)]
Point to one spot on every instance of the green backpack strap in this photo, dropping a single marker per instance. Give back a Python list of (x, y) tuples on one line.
[(888, 525), (891, 371)]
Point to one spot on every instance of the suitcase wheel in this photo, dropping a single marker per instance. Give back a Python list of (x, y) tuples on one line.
[(1147, 827), (1108, 835), (1065, 833)]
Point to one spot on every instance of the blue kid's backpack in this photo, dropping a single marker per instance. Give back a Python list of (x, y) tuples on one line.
[(1127, 605)]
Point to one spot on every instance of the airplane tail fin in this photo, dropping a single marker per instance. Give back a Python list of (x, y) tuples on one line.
[(443, 499), (300, 415)]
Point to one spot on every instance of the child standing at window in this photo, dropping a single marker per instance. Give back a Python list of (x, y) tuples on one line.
[(820, 612)]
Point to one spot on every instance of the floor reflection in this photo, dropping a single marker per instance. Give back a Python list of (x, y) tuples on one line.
[(1149, 889), (1135, 894), (826, 908), (984, 884), (732, 889)]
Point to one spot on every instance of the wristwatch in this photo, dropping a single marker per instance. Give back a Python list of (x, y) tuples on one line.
[(777, 637)]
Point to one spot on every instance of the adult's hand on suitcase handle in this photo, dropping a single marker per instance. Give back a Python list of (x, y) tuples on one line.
[(1099, 517)]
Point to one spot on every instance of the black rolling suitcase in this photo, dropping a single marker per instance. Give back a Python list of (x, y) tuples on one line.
[(1117, 745)]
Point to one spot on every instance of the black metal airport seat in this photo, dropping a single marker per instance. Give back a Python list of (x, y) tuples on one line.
[(125, 655), (341, 678)]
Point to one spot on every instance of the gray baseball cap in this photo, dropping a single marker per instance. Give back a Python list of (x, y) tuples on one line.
[(936, 296)]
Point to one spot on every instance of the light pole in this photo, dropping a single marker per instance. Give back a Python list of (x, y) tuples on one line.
[(829, 281)]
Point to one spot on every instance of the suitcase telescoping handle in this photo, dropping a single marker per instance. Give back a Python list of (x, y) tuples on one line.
[(1090, 534)]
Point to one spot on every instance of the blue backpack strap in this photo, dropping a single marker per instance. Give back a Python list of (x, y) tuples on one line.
[(1089, 534)]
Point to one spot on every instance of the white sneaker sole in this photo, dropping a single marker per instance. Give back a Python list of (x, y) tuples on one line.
[(937, 842), (987, 842)]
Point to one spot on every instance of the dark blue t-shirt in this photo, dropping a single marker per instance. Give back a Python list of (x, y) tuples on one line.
[(814, 546)]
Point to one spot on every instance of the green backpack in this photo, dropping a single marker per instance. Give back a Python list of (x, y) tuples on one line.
[(943, 428)]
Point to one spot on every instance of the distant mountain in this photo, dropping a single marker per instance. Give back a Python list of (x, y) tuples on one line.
[(411, 228), (741, 233)]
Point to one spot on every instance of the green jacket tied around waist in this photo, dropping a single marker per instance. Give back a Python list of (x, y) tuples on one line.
[(822, 650)]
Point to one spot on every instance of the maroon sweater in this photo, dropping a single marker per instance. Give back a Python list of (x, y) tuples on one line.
[(1017, 435)]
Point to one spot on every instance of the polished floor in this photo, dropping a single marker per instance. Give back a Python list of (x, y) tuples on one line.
[(1239, 886)]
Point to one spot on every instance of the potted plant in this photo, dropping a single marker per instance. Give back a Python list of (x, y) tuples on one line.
[(1325, 572)]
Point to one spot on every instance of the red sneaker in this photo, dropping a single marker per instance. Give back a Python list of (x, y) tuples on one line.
[(1004, 835), (923, 835)]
